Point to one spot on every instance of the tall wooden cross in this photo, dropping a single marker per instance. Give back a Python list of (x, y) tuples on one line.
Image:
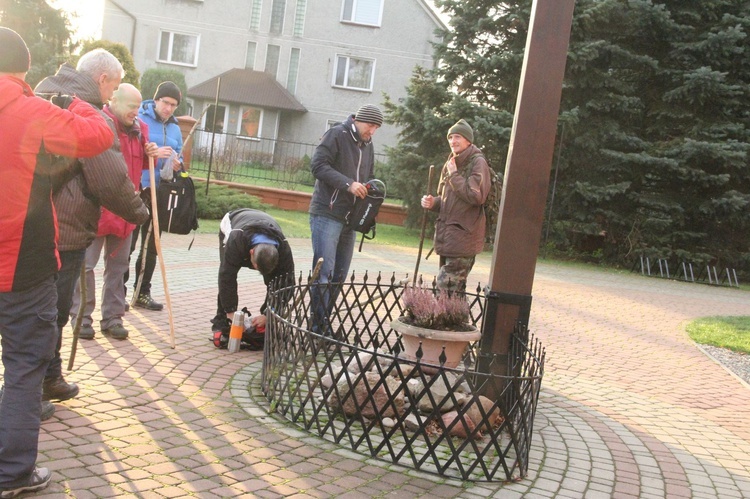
[(527, 173)]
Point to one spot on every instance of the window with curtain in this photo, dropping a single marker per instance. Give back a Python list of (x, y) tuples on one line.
[(354, 73), (178, 48), (250, 122), (368, 12)]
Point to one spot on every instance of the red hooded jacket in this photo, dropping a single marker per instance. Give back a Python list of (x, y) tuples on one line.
[(28, 225), (133, 141)]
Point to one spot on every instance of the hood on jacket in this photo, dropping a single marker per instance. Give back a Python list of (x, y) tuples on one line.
[(11, 88), (148, 107), (68, 81)]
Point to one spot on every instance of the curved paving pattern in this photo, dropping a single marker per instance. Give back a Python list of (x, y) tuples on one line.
[(629, 406)]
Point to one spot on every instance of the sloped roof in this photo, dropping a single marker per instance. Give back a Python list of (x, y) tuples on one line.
[(245, 86)]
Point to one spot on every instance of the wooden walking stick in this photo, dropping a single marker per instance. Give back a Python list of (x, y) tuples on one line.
[(157, 244), (79, 317), (424, 225)]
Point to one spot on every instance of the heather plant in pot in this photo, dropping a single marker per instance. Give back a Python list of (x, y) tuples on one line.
[(437, 322)]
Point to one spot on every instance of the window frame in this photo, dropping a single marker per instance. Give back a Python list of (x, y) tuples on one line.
[(243, 108), (346, 85), (172, 34), (355, 3)]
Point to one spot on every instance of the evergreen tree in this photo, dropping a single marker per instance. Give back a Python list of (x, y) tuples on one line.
[(118, 50), (654, 156), (45, 30)]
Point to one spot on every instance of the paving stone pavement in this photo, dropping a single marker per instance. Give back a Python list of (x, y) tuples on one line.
[(629, 406)]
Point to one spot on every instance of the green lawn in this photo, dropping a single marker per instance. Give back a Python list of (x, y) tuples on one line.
[(725, 332), (297, 224)]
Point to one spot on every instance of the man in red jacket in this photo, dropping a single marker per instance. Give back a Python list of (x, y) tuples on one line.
[(114, 233), (28, 254)]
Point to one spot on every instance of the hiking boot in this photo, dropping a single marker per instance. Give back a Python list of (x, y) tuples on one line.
[(38, 480), (117, 332), (56, 388), (48, 410), (145, 301), (86, 332)]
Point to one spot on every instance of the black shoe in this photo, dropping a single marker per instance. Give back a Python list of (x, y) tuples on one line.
[(117, 332), (38, 480), (145, 301), (48, 410), (86, 332), (127, 306), (56, 388)]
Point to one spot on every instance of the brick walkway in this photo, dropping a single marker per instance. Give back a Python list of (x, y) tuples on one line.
[(629, 406)]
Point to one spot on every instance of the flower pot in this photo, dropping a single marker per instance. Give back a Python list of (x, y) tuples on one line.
[(433, 341)]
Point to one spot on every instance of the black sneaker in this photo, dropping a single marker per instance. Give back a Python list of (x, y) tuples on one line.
[(145, 301), (117, 332), (38, 480), (56, 388)]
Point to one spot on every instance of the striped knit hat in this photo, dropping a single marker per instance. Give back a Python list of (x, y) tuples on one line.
[(369, 114)]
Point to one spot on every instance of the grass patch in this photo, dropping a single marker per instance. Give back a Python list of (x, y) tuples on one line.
[(724, 332), (297, 224)]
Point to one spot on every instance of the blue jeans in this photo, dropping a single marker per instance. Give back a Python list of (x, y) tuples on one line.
[(28, 331), (69, 273), (333, 242)]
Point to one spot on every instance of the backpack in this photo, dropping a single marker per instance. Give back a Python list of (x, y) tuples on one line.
[(492, 203), (178, 210), (361, 218)]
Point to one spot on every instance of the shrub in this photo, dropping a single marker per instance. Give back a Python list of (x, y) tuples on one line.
[(222, 199)]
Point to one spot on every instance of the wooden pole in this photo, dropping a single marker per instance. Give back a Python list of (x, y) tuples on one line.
[(157, 244), (424, 224), (527, 173)]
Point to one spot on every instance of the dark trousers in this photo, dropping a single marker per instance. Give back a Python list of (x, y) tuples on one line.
[(70, 271), (28, 331), (150, 255)]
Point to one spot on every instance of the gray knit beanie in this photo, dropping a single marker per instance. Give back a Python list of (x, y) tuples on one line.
[(462, 128), (369, 114), (14, 55)]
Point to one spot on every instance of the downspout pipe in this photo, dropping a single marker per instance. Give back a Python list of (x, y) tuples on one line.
[(135, 23)]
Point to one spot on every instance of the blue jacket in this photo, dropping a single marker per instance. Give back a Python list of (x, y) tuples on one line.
[(163, 133), (341, 158)]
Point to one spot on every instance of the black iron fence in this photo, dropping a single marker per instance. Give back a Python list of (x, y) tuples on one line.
[(354, 388), (235, 158)]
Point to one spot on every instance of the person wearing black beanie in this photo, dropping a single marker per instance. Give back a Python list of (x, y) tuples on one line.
[(15, 56), (29, 253), (168, 89)]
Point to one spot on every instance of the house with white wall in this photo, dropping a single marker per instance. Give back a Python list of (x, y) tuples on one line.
[(284, 69)]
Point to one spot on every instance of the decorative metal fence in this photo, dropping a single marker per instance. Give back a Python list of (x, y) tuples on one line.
[(353, 389), (235, 158)]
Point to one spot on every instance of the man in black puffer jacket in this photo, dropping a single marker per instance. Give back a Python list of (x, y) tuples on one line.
[(343, 163), (252, 239)]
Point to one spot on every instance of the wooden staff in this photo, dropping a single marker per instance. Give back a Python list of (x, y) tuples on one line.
[(79, 316), (424, 225), (192, 130), (157, 244)]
